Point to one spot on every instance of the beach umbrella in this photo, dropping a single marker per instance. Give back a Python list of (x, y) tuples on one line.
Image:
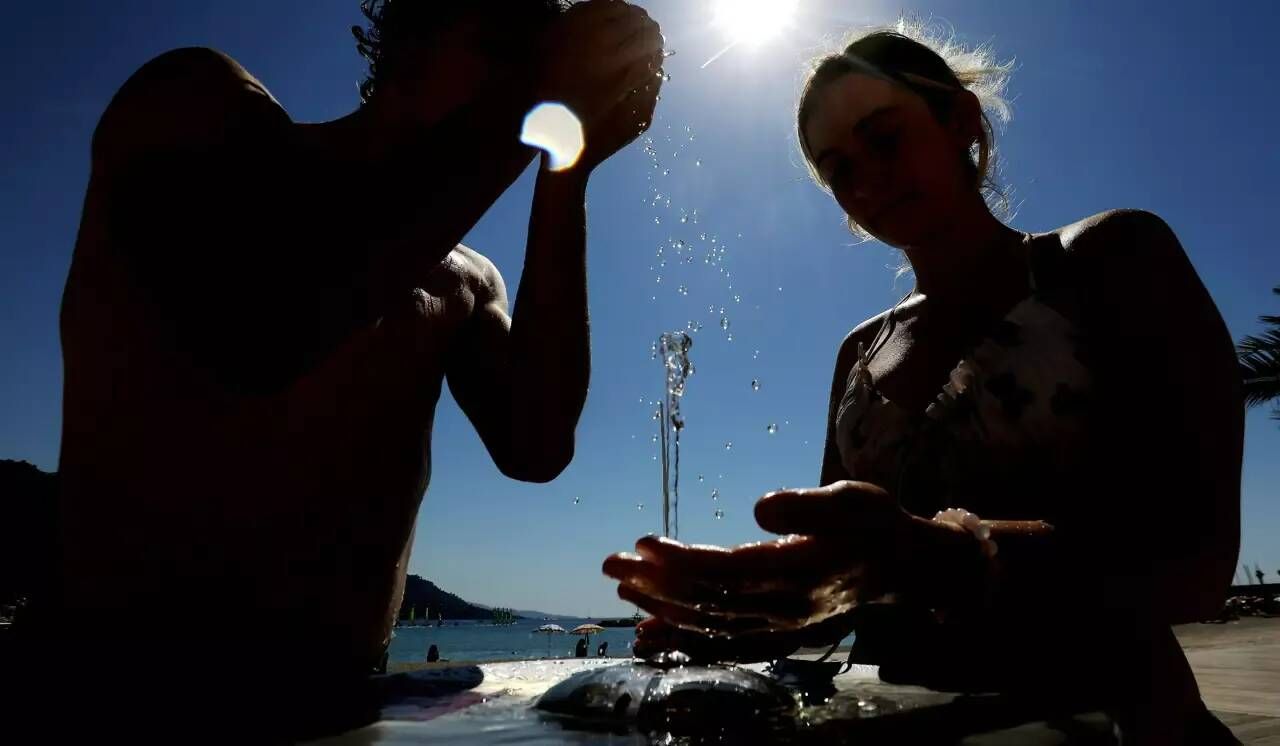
[(549, 630), (586, 629)]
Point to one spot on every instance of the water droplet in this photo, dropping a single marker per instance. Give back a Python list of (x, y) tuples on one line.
[(771, 429), (724, 321), (728, 446), (737, 299), (656, 221), (719, 514), (658, 279), (700, 478), (702, 236), (787, 423), (711, 310), (577, 500), (715, 494), (779, 288), (755, 385), (666, 78), (755, 355), (653, 439), (666, 172), (729, 338), (682, 290), (653, 351), (639, 506), (697, 163)]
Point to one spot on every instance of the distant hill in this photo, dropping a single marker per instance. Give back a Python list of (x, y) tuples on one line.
[(427, 598), (28, 529)]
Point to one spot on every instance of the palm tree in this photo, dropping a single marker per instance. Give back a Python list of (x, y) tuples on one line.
[(1260, 364)]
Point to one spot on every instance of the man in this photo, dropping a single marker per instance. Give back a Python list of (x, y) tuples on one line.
[(260, 314)]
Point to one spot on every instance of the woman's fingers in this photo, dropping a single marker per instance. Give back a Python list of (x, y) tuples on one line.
[(708, 604), (845, 508), (756, 566)]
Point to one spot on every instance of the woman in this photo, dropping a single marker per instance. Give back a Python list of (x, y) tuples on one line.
[(1093, 421)]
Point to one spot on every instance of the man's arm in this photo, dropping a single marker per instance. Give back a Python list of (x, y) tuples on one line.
[(523, 382)]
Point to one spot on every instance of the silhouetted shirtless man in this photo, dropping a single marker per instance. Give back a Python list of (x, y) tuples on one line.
[(260, 314)]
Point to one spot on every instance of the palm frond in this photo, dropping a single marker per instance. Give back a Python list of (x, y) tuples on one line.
[(1259, 357)]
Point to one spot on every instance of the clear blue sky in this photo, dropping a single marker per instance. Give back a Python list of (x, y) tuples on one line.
[(1115, 105)]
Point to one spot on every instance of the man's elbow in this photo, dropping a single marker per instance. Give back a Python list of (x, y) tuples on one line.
[(540, 463)]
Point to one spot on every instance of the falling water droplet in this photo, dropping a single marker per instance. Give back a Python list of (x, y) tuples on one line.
[(729, 338), (728, 446), (577, 500), (700, 478), (737, 298), (715, 494), (755, 355), (666, 78), (666, 172), (779, 288), (697, 163), (771, 429), (724, 321), (656, 221), (755, 385), (787, 423), (639, 506), (719, 514), (682, 290)]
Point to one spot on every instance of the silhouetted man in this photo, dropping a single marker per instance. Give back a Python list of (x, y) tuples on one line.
[(261, 312)]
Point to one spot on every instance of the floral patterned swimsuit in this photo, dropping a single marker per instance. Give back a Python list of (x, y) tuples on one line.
[(1010, 420)]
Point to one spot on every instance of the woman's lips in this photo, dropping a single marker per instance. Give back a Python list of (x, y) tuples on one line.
[(893, 206)]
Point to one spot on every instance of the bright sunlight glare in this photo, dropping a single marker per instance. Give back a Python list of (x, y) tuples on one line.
[(753, 21), (556, 129)]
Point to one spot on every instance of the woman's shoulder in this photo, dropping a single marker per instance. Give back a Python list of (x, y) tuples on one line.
[(1122, 234)]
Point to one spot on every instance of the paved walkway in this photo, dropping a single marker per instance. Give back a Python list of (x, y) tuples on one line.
[(1237, 666)]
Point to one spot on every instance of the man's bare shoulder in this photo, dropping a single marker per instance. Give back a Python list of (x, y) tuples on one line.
[(477, 273), (184, 96)]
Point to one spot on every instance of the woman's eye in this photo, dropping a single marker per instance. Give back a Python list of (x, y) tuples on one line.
[(839, 174), (885, 143)]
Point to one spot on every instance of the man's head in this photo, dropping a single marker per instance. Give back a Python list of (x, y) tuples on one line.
[(462, 41)]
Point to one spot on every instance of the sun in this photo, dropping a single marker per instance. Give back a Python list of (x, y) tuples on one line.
[(753, 21)]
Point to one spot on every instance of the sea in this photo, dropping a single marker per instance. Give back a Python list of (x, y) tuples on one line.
[(485, 641)]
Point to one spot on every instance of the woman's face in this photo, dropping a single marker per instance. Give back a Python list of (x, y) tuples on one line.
[(894, 168)]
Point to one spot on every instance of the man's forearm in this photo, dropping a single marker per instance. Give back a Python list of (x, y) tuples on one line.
[(551, 353)]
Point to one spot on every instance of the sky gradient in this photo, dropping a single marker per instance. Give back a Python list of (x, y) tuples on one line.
[(1113, 106)]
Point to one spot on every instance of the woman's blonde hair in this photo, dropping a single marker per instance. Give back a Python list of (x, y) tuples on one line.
[(933, 66)]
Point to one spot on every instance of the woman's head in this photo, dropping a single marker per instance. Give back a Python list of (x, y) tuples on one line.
[(896, 127)]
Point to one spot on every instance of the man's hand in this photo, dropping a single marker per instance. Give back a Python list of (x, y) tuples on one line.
[(604, 61)]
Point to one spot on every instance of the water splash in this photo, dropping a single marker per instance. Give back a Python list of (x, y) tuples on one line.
[(674, 350)]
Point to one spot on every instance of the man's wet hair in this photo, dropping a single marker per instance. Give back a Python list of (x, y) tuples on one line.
[(395, 25)]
